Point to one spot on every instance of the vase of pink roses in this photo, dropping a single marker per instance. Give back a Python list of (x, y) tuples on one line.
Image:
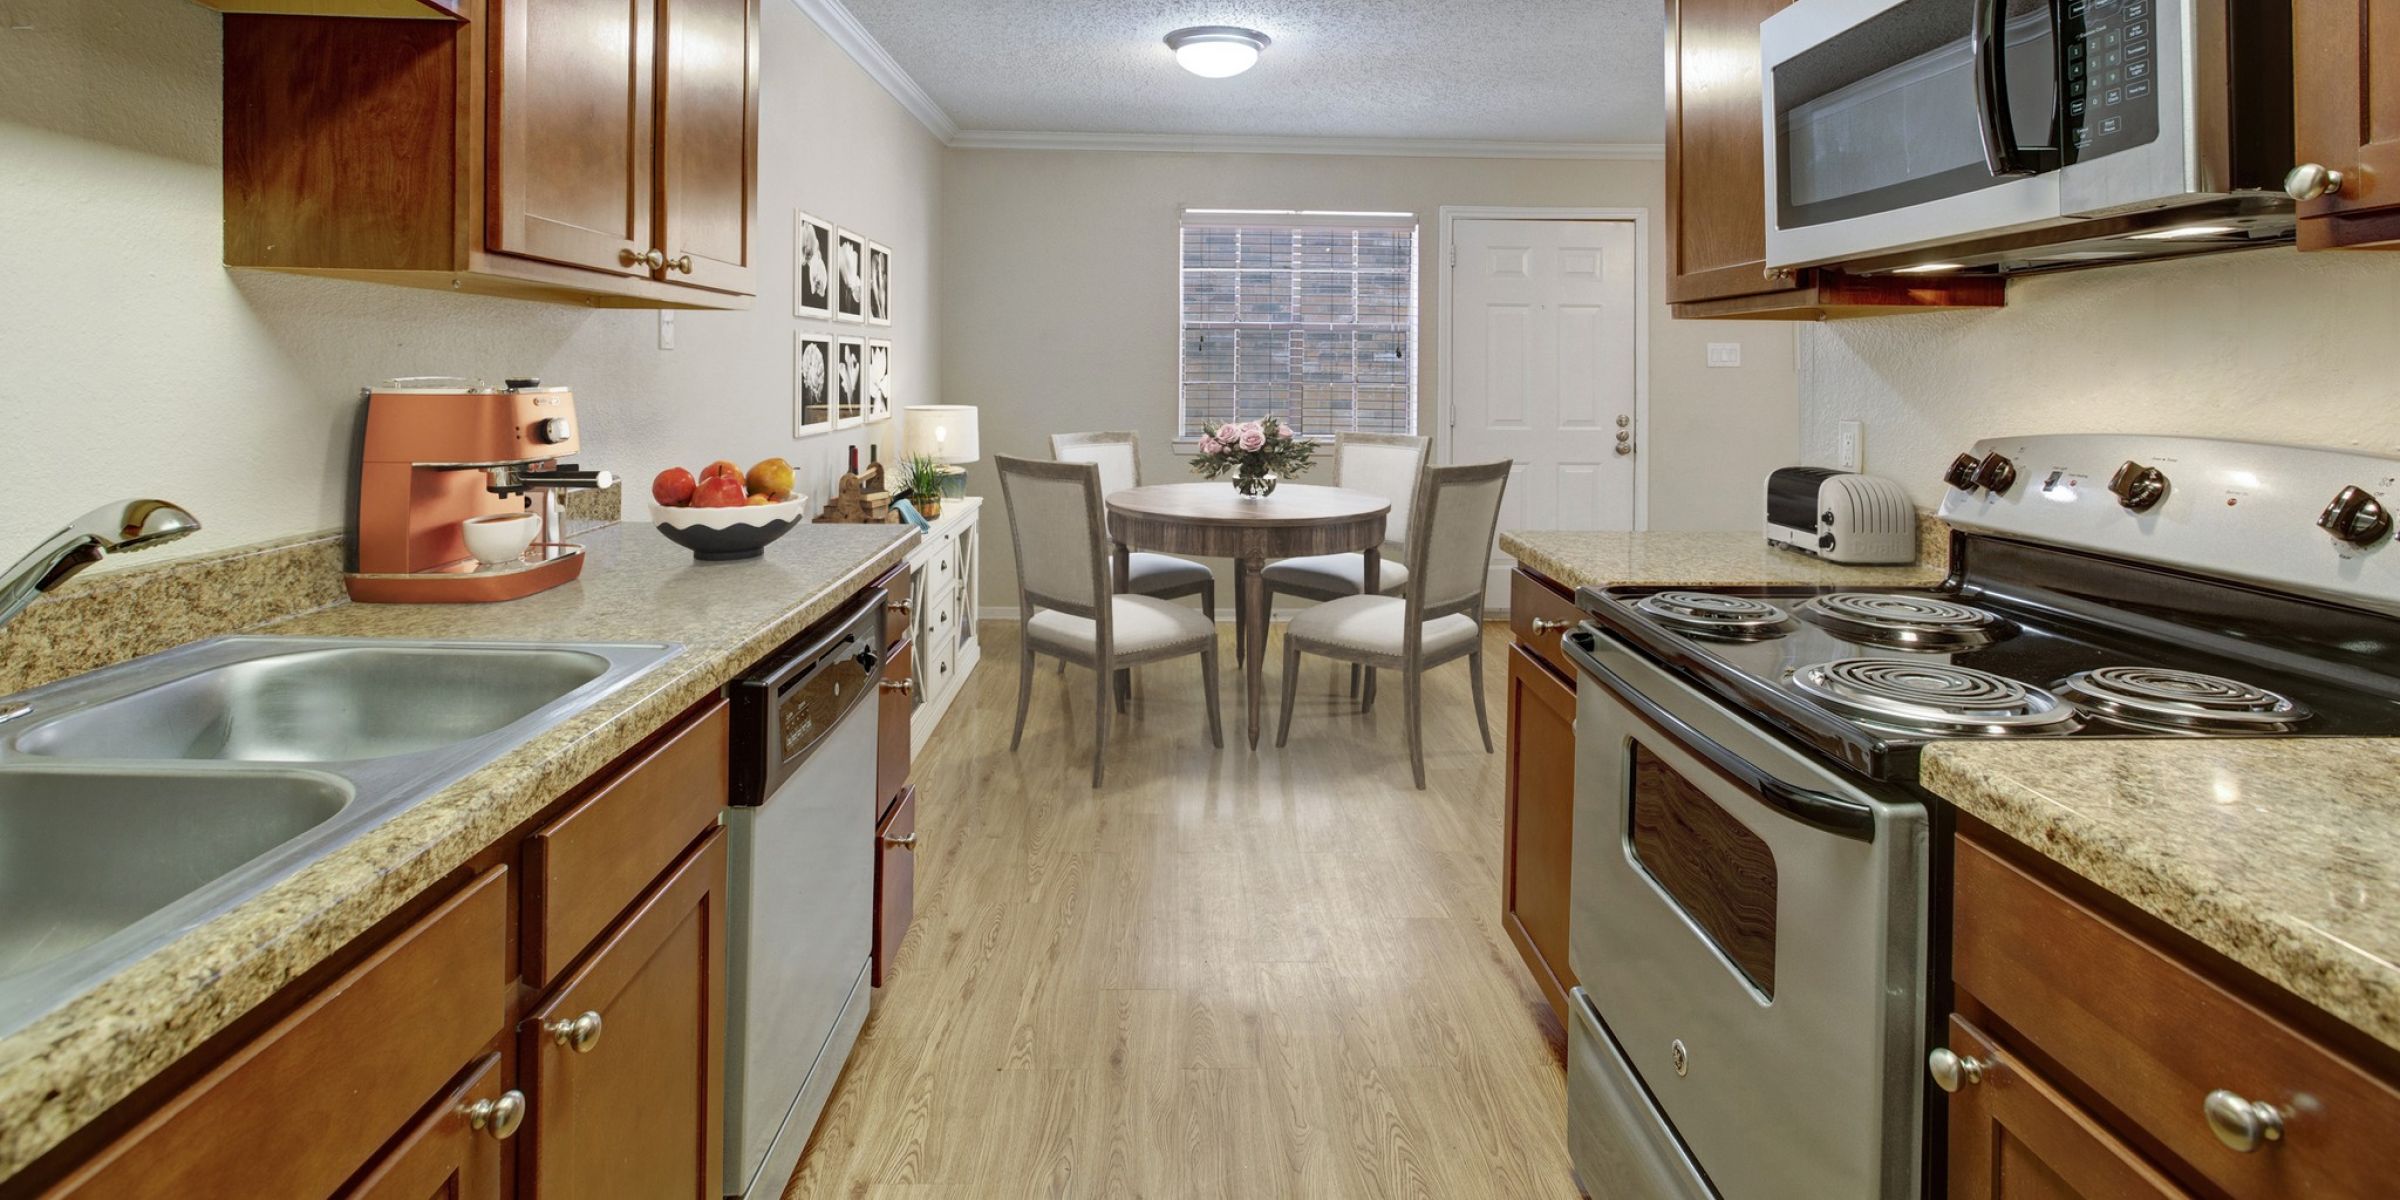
[(1257, 453)]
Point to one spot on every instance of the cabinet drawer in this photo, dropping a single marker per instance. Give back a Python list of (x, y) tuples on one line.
[(302, 1107), (2152, 1037), (1539, 614), (585, 867), (896, 699), (895, 880), (941, 565), (941, 670), (897, 590), (445, 1156)]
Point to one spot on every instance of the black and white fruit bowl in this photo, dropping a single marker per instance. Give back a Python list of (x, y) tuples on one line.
[(728, 534)]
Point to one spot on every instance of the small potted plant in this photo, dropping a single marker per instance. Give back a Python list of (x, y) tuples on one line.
[(1258, 453), (921, 478)]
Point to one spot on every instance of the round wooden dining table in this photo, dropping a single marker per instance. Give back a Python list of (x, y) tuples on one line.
[(1211, 520)]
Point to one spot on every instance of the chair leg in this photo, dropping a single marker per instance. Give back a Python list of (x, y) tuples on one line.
[(1124, 689), (1025, 692), (1413, 684), (1355, 671), (1291, 686), (1367, 694), (1208, 683), (1482, 720), (1208, 600), (1103, 679)]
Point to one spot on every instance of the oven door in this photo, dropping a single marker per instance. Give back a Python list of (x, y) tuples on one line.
[(1898, 124), (1750, 928)]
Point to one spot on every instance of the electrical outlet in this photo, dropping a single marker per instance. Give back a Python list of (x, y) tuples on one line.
[(666, 329), (1850, 445), (1724, 354)]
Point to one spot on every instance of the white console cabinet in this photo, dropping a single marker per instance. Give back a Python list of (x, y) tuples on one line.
[(947, 570)]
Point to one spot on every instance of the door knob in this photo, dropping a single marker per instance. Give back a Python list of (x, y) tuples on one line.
[(579, 1034), (2311, 181), (2243, 1125), (498, 1116), (1624, 448), (1952, 1070)]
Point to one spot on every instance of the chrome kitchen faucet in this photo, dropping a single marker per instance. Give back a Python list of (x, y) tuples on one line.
[(119, 527)]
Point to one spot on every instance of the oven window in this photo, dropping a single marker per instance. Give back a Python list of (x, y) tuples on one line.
[(1720, 873), (1882, 116)]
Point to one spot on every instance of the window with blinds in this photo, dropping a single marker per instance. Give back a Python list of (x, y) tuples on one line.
[(1311, 317)]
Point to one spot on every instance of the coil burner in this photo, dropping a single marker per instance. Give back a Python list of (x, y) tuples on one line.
[(1934, 698), (1708, 614), (1904, 622), (2180, 701)]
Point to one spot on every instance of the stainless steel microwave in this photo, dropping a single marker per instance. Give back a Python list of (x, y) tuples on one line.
[(2026, 132)]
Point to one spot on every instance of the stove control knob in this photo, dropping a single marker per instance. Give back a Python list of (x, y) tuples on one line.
[(550, 431), (2357, 517), (1996, 472), (1961, 474), (2137, 487)]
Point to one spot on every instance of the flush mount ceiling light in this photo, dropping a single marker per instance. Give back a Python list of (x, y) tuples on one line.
[(1216, 51)]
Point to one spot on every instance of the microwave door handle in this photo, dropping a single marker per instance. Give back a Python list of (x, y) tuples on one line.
[(1988, 37), (1819, 810)]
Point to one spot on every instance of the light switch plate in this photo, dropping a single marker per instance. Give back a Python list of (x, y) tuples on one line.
[(1724, 354), (1850, 445), (666, 329)]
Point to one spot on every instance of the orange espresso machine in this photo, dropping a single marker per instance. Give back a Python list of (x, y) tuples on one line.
[(434, 453)]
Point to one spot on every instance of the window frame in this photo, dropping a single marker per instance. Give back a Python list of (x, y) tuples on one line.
[(1189, 443)]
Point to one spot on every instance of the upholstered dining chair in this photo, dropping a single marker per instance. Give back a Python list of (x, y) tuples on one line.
[(1119, 457), (1381, 464), (1065, 597), (1456, 513)]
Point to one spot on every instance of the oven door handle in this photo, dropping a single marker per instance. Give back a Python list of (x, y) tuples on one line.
[(1832, 814), (1988, 38)]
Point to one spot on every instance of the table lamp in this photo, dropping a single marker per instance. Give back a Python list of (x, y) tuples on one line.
[(947, 433)]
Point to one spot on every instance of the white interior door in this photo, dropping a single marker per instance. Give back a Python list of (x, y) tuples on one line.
[(1542, 320)]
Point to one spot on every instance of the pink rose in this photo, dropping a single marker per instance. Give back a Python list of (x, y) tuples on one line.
[(1229, 433), (1210, 445), (1284, 432), (1253, 437)]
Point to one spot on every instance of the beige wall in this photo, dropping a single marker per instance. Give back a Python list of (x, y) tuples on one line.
[(2270, 345), (1059, 301), (136, 364)]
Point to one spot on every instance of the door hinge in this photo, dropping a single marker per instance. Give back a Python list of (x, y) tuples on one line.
[(1454, 256)]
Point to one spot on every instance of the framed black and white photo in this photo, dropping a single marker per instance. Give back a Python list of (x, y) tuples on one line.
[(812, 266), (849, 382), (849, 276), (879, 284), (878, 388), (812, 384)]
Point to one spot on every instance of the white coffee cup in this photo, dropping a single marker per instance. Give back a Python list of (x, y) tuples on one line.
[(500, 540)]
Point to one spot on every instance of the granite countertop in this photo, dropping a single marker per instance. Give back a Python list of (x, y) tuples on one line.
[(72, 1064), (2283, 854), (1704, 560)]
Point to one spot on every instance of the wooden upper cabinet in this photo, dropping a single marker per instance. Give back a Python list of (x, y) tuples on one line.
[(708, 141), (430, 10), (1716, 189), (2346, 64), (573, 128)]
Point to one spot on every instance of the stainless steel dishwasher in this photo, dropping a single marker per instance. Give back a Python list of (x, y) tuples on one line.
[(802, 839)]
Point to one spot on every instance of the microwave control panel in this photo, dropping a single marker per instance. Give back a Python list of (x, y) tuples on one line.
[(2110, 67)]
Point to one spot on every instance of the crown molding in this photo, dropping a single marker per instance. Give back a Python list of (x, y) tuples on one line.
[(1200, 143), (836, 20)]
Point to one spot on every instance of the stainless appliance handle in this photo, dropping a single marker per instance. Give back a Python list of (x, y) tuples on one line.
[(1818, 810), (1988, 36)]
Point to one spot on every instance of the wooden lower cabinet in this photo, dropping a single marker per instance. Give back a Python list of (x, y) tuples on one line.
[(1538, 824), (624, 1064), (895, 880), (453, 1152), (2013, 1136)]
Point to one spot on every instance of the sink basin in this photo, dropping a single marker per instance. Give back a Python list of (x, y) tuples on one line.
[(346, 703), (143, 799), (88, 851)]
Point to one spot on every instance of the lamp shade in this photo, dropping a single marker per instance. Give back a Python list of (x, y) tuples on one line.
[(944, 431)]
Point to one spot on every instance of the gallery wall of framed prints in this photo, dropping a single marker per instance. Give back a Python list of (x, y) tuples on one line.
[(839, 277)]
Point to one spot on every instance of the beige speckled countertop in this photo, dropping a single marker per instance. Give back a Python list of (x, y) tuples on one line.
[(69, 1066), (2282, 854), (1703, 560)]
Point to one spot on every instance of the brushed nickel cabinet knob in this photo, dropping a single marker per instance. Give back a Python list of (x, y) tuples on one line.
[(1545, 625), (654, 259), (499, 1116), (579, 1033), (2243, 1125), (1952, 1070), (2311, 181), (681, 262), (897, 685), (906, 842)]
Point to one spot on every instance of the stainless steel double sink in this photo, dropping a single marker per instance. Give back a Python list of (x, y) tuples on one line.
[(140, 800)]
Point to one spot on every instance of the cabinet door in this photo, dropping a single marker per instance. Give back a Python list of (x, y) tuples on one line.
[(897, 697), (1538, 826), (2015, 1137), (1716, 170), (572, 132), (2346, 62), (447, 1156), (708, 141), (623, 1066), (895, 881)]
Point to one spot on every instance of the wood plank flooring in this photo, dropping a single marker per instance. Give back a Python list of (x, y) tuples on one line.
[(1224, 974)]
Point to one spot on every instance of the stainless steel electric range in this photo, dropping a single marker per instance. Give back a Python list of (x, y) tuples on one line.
[(1760, 886)]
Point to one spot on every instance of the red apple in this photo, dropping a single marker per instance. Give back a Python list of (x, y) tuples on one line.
[(721, 467), (673, 487), (720, 491)]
